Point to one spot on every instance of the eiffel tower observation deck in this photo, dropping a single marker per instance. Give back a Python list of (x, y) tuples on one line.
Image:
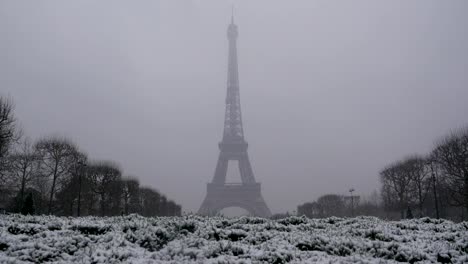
[(247, 193)]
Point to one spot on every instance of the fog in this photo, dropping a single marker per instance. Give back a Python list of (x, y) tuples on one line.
[(331, 91)]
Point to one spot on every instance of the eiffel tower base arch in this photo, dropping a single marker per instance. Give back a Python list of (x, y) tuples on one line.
[(245, 196)]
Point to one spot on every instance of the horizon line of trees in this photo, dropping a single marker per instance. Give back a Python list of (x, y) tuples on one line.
[(337, 205), (433, 185), (52, 175)]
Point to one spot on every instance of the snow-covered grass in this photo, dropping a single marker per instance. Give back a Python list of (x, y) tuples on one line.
[(194, 239)]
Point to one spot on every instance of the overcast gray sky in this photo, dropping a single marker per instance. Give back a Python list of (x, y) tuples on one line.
[(331, 91)]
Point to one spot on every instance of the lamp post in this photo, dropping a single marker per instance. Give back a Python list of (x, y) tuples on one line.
[(80, 175), (352, 201)]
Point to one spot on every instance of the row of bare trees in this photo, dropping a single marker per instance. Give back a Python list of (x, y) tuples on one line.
[(434, 185), (325, 206), (55, 177), (341, 206)]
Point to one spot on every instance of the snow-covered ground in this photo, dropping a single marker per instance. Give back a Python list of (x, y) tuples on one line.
[(193, 239)]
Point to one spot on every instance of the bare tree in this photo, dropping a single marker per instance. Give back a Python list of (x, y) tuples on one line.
[(331, 205), (77, 167), (150, 202), (130, 195), (171, 208), (434, 182), (9, 133), (69, 197), (310, 209), (397, 187), (451, 156), (418, 169), (178, 210), (21, 170), (56, 159), (163, 206), (103, 176), (41, 186), (115, 197), (80, 170), (8, 127)]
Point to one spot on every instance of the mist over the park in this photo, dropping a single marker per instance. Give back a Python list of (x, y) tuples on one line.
[(331, 92)]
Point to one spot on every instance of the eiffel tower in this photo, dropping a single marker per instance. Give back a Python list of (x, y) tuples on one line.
[(247, 194)]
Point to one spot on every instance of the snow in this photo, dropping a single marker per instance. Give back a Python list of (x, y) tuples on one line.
[(195, 239)]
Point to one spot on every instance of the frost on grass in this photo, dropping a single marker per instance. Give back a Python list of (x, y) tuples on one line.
[(194, 239)]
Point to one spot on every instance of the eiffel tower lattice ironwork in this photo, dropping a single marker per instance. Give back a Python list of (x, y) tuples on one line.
[(247, 194)]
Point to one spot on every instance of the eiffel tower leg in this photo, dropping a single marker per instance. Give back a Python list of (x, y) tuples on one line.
[(207, 206), (245, 169), (221, 169), (261, 207)]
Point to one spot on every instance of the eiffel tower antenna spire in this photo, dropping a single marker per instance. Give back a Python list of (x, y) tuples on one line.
[(232, 14)]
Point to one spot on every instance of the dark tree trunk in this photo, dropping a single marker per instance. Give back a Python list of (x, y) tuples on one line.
[(53, 188), (434, 190), (420, 201), (103, 204), (23, 185), (71, 207), (79, 196)]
